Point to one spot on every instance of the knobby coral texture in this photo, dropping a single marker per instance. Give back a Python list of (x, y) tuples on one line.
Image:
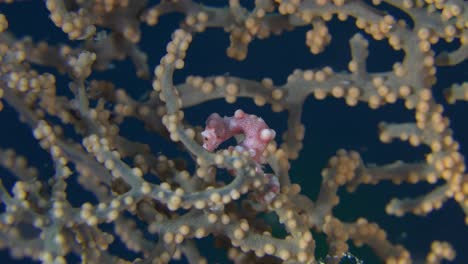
[(181, 131)]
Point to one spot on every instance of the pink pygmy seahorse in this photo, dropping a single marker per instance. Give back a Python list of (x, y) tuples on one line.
[(257, 135)]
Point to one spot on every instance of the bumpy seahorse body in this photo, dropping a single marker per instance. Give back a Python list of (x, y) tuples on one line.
[(257, 135)]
